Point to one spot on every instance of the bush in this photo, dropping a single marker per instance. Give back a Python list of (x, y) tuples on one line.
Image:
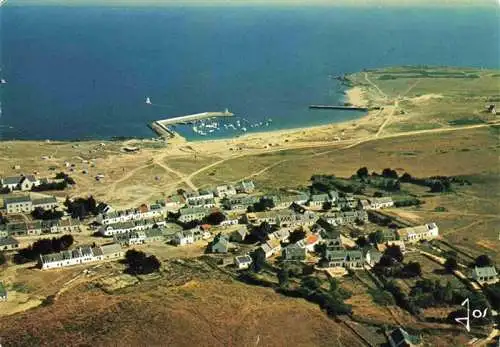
[(3, 258), (215, 218), (492, 291), (451, 264), (81, 207), (483, 260), (43, 246), (140, 264), (381, 297), (40, 213), (408, 202)]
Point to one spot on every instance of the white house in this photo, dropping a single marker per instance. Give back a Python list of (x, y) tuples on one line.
[(125, 227), (486, 274), (228, 222), (318, 200), (309, 242), (242, 261), (80, 255), (25, 204), (24, 183), (192, 197), (245, 187), (143, 212), (223, 191), (18, 204), (187, 237), (189, 214), (379, 203), (422, 232), (372, 257), (8, 243), (270, 248)]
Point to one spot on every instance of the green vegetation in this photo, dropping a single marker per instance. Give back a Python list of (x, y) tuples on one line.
[(381, 297), (138, 263)]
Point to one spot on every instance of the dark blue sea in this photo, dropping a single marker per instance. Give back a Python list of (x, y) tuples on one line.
[(84, 72)]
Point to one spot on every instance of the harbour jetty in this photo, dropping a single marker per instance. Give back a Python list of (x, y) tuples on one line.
[(339, 107), (161, 127)]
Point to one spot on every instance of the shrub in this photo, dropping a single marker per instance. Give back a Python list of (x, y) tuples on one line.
[(140, 264)]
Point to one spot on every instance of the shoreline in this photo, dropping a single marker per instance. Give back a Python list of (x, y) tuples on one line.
[(354, 96)]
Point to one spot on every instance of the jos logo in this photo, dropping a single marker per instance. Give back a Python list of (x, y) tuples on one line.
[(465, 321)]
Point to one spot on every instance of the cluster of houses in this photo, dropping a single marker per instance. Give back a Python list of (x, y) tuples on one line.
[(38, 227), (23, 183), (27, 204), (80, 255)]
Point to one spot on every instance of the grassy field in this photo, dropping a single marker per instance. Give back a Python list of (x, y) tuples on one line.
[(431, 97), (183, 308)]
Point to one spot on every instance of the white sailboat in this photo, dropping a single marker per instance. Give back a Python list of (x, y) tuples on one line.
[(3, 81), (148, 100)]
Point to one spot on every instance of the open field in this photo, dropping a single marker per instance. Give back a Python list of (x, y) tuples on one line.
[(193, 311)]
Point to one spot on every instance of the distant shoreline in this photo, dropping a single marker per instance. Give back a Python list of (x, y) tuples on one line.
[(353, 95)]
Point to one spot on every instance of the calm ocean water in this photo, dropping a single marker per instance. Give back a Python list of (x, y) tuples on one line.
[(84, 72)]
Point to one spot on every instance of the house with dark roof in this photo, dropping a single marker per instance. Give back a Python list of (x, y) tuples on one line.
[(239, 234), (18, 204), (239, 202), (349, 259), (220, 244), (8, 243), (189, 214), (372, 256), (294, 253), (23, 228), (24, 183), (318, 200), (245, 187), (400, 338), (485, 274), (269, 248)]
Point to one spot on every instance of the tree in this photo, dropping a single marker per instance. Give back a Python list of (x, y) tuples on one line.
[(320, 248), (3, 259), (40, 213), (3, 219), (395, 253), (361, 242), (362, 172), (92, 205), (297, 235), (388, 173), (215, 218), (448, 292), (376, 237), (412, 269), (283, 277), (141, 264), (451, 264), (406, 177), (334, 285), (258, 261), (483, 260), (327, 205), (310, 283)]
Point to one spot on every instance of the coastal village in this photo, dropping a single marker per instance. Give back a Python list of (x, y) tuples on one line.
[(238, 229)]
